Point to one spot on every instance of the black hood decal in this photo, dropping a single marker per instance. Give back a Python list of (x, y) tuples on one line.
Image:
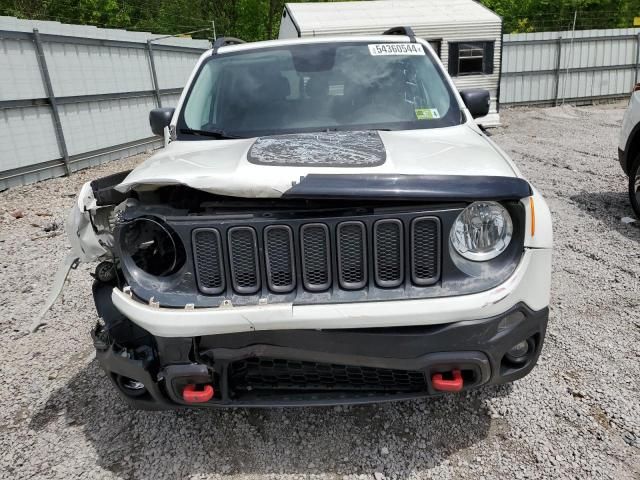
[(320, 149)]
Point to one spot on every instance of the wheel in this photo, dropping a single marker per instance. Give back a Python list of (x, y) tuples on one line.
[(634, 186), (105, 272)]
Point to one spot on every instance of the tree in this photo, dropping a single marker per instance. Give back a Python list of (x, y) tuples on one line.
[(546, 15), (260, 19)]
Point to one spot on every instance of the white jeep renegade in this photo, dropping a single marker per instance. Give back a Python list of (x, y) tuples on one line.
[(326, 224)]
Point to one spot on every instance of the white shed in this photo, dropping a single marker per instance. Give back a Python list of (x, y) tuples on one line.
[(465, 34)]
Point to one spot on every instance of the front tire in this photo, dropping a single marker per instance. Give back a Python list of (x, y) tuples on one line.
[(634, 186)]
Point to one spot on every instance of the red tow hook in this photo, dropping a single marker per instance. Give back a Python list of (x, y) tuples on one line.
[(191, 395), (442, 385)]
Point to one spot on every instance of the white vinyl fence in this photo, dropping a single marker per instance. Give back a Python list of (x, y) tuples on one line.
[(555, 67), (74, 96)]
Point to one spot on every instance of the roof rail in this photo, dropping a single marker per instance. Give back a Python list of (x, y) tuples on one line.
[(408, 31), (224, 41)]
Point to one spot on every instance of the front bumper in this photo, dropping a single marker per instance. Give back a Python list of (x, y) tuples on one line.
[(377, 362), (284, 354)]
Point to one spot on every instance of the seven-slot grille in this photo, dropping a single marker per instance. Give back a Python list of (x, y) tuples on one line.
[(348, 255)]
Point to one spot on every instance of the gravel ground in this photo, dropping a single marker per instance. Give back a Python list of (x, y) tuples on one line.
[(576, 416)]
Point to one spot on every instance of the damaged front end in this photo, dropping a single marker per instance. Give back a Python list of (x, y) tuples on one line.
[(89, 227), (217, 301)]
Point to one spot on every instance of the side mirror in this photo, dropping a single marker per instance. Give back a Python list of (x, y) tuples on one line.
[(160, 118), (477, 101)]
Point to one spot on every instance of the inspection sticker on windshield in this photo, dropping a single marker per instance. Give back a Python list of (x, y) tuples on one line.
[(427, 113), (396, 49)]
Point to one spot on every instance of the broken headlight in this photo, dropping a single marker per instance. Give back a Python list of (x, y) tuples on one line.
[(482, 231), (151, 246)]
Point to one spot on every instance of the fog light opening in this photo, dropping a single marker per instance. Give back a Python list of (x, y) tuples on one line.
[(131, 387), (520, 353)]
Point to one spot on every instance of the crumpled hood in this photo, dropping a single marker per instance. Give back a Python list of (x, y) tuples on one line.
[(269, 166)]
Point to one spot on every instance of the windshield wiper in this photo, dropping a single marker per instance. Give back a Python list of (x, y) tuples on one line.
[(220, 134), (356, 129)]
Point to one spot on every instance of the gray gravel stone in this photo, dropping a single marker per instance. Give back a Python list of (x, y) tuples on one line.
[(576, 416)]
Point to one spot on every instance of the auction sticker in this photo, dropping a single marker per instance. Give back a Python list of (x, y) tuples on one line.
[(427, 113), (396, 49)]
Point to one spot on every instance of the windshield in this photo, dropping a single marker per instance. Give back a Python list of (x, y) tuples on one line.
[(316, 87)]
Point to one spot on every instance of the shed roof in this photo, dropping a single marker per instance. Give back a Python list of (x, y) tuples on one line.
[(382, 14)]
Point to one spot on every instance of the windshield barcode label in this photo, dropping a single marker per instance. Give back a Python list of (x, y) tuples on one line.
[(396, 49)]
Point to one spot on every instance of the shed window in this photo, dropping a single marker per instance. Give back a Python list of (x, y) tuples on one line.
[(471, 58), (437, 46)]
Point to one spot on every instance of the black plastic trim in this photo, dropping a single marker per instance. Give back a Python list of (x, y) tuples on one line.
[(479, 347), (292, 261), (220, 261), (632, 148), (234, 280), (408, 31), (376, 255), (225, 41), (103, 190), (430, 188), (423, 282), (339, 247), (314, 287), (622, 158)]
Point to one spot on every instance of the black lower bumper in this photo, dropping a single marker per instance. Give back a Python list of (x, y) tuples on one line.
[(312, 367)]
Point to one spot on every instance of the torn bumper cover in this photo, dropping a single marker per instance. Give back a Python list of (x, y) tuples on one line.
[(280, 355)]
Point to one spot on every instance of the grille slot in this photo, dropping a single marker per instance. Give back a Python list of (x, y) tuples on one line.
[(279, 258), (208, 261), (316, 269), (243, 253), (425, 248), (388, 243), (352, 255), (294, 375)]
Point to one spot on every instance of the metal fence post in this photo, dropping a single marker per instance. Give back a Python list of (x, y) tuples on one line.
[(42, 62), (154, 76), (637, 57), (558, 64)]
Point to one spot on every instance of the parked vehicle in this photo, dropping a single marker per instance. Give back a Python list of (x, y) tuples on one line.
[(326, 224), (629, 148)]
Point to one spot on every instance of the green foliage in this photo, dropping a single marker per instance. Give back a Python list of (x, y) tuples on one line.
[(248, 19), (547, 15), (260, 19)]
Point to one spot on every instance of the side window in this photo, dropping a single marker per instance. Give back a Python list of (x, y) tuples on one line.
[(471, 58), (201, 108)]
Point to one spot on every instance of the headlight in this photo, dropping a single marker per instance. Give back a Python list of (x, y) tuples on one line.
[(152, 246), (482, 231)]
